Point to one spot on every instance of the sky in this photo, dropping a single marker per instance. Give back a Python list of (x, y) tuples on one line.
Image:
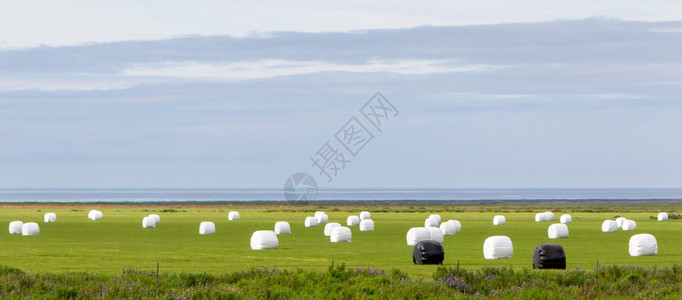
[(472, 95)]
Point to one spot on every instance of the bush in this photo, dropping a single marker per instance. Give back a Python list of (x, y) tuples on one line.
[(342, 282)]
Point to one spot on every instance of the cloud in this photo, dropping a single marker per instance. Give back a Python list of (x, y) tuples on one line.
[(79, 22), (269, 68), (581, 98)]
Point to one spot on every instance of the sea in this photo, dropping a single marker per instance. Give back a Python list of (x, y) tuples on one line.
[(142, 195)]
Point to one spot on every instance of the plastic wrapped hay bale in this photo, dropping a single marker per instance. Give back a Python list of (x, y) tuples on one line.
[(95, 215), (367, 225), (457, 224), (609, 226), (233, 216), (152, 219), (365, 215), (321, 217), (282, 227), (30, 228), (353, 221), (565, 219), (557, 231), (663, 216), (157, 218), (435, 234), (549, 256), (206, 228), (148, 222), (340, 234), (417, 234), (498, 246), (620, 221), (15, 227), (629, 225), (437, 218), (50, 217), (431, 222), (428, 253), (643, 244), (264, 239), (311, 222), (540, 217), (499, 220), (549, 216), (328, 228), (448, 228)]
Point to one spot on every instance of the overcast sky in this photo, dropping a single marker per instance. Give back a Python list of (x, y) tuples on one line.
[(490, 94)]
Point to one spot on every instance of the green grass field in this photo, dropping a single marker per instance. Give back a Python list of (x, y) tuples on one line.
[(75, 243)]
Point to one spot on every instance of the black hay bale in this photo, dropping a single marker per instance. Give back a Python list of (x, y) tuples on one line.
[(549, 256), (428, 253)]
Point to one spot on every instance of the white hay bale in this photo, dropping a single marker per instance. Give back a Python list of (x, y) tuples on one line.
[(437, 218), (264, 239), (643, 244), (311, 222), (156, 218), (365, 215), (95, 215), (328, 228), (431, 222), (15, 227), (367, 225), (50, 217), (448, 228), (233, 216), (282, 227), (30, 228), (321, 217), (353, 221), (620, 221), (148, 222), (417, 234), (435, 234), (549, 216), (663, 216), (609, 226), (499, 220), (340, 234), (540, 217), (565, 219), (629, 225), (457, 224), (498, 246), (557, 231), (206, 228), (153, 219)]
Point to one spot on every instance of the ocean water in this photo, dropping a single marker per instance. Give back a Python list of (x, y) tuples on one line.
[(350, 194)]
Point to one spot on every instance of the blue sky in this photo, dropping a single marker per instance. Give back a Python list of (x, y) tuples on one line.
[(219, 95)]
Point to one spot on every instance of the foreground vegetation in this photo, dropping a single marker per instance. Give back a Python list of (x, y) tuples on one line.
[(341, 282)]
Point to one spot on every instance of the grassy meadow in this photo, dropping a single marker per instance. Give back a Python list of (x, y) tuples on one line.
[(118, 241)]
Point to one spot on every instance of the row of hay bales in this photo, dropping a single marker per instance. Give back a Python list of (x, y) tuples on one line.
[(495, 247), (433, 230), (30, 228), (620, 222), (25, 229), (267, 239), (207, 227), (151, 221)]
